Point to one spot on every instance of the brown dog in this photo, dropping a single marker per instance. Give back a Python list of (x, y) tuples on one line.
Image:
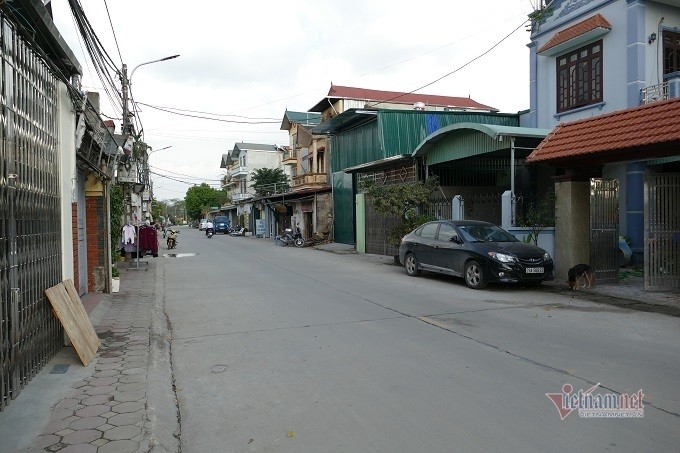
[(580, 271)]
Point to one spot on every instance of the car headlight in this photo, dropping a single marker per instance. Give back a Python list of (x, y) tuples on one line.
[(547, 257), (502, 257)]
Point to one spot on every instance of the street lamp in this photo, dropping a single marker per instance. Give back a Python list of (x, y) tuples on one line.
[(127, 126), (126, 82), (159, 149)]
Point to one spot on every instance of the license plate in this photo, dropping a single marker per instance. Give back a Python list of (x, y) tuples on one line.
[(534, 270)]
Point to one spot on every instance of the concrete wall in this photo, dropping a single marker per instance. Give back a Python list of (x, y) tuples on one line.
[(361, 222), (546, 238), (324, 213), (572, 226), (67, 155)]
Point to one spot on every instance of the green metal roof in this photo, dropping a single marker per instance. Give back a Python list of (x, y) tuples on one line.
[(346, 120), (378, 164), (303, 118), (462, 140)]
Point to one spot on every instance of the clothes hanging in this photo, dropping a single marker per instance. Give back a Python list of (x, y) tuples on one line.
[(148, 239), (129, 234)]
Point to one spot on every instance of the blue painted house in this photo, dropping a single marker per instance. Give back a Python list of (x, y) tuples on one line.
[(593, 58)]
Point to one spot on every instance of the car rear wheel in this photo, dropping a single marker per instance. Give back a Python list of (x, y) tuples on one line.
[(411, 265), (474, 276)]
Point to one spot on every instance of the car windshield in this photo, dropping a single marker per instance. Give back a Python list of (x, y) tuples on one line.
[(485, 233), (221, 219)]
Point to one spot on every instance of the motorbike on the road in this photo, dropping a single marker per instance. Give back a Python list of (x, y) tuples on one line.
[(172, 238), (209, 232)]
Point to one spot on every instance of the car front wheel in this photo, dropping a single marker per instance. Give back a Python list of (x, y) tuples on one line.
[(474, 276), (411, 265)]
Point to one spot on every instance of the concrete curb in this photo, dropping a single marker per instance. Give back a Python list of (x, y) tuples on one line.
[(164, 427)]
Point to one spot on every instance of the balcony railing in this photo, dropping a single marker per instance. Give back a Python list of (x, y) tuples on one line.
[(310, 180), (228, 181), (272, 189), (239, 172), (654, 93), (289, 158), (241, 196)]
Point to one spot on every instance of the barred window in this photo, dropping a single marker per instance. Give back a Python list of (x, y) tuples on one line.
[(671, 52), (579, 77)]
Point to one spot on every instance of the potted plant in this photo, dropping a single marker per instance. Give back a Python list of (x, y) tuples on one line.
[(115, 279)]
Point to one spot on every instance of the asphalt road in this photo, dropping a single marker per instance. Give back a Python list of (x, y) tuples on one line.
[(284, 349)]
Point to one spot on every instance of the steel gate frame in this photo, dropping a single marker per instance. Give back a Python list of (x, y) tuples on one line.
[(604, 229), (662, 231), (30, 228)]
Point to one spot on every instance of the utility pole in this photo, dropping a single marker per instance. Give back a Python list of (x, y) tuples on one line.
[(127, 127), (125, 82)]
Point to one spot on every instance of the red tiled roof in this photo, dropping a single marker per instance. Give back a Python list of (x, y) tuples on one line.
[(642, 132), (341, 92), (578, 29)]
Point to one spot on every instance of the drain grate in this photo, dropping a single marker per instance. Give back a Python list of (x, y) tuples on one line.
[(59, 369)]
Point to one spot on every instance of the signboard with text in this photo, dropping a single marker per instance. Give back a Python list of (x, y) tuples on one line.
[(259, 227)]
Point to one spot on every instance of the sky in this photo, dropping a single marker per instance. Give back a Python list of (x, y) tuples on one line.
[(245, 63)]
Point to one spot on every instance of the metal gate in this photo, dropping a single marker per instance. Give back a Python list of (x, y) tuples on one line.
[(30, 226), (378, 227), (82, 233), (604, 229), (662, 232), (343, 208)]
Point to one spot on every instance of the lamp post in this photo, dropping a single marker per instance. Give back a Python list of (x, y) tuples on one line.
[(127, 125), (126, 82), (159, 149)]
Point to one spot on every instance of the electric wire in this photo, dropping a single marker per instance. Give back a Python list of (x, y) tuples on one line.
[(207, 113), (113, 31), (469, 62), (102, 62), (185, 175), (208, 118), (190, 183)]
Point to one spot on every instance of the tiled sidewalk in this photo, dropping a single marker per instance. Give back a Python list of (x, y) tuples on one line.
[(107, 412)]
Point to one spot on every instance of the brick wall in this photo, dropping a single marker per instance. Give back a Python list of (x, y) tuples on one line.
[(97, 254), (74, 234)]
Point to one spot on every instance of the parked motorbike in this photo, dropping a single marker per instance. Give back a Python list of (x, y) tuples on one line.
[(172, 238), (298, 240), (237, 231), (287, 237)]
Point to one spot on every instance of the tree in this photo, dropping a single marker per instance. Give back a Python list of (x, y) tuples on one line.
[(116, 208), (198, 198), (538, 214), (158, 209), (402, 201), (269, 180)]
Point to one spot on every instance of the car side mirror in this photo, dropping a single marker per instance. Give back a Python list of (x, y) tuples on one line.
[(456, 240)]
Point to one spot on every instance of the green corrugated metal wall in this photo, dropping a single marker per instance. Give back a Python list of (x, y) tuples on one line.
[(403, 131), (343, 208), (355, 146), (466, 143), (400, 132)]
